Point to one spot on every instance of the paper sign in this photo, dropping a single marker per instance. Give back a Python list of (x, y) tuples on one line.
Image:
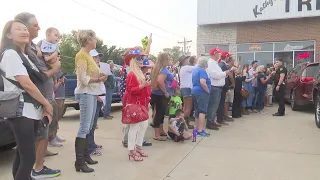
[(105, 68)]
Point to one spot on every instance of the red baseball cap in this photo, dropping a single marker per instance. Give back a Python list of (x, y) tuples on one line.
[(214, 51), (225, 54)]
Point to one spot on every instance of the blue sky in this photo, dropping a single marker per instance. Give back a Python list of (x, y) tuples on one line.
[(177, 16)]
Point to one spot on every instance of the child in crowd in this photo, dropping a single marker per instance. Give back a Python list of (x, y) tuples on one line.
[(175, 103), (49, 48), (178, 130)]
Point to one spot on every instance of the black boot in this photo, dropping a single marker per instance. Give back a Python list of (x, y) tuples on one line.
[(87, 155), (80, 163)]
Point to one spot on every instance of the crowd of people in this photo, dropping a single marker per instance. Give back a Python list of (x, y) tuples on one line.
[(200, 89)]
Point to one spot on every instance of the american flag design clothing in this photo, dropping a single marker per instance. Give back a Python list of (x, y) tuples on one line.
[(123, 82)]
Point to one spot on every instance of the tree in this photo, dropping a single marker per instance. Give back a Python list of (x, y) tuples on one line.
[(69, 47), (174, 52), (152, 57)]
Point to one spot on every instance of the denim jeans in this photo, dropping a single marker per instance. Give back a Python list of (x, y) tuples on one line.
[(220, 111), (260, 98), (88, 106), (255, 97), (91, 143), (214, 101), (107, 107), (200, 103)]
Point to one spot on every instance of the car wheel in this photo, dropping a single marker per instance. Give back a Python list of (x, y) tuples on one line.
[(317, 112), (293, 103)]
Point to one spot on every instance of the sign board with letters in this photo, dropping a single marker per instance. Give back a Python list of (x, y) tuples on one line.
[(232, 11)]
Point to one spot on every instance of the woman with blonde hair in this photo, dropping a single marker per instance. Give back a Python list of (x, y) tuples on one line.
[(138, 91), (262, 80), (161, 80), (86, 92)]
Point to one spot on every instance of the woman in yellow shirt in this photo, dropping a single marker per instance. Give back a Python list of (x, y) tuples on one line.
[(86, 92)]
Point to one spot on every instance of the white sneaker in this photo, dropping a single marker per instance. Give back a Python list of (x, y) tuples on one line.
[(60, 139), (55, 143), (261, 112)]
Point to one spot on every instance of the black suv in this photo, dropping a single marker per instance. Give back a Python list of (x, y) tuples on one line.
[(7, 140)]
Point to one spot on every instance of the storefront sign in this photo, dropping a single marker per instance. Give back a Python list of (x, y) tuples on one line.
[(223, 11), (304, 55), (291, 48), (255, 47), (257, 10)]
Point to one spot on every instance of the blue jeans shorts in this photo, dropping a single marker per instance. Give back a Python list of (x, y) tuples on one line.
[(200, 103), (186, 92)]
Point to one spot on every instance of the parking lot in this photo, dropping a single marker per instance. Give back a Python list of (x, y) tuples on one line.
[(255, 147)]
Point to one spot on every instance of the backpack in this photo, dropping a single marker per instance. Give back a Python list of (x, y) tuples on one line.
[(12, 102)]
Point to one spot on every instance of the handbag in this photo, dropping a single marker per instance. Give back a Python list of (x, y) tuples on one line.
[(245, 94), (134, 113)]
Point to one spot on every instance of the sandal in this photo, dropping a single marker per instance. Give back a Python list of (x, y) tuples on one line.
[(135, 157), (141, 153), (163, 134), (96, 153), (160, 138)]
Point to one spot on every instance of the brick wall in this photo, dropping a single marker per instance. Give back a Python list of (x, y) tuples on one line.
[(281, 30), (225, 34)]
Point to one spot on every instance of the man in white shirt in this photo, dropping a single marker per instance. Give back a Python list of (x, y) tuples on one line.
[(217, 77)]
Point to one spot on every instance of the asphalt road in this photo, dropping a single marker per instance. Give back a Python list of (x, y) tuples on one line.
[(255, 147)]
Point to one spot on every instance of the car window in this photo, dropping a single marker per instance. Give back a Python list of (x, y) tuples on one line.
[(294, 72), (310, 70)]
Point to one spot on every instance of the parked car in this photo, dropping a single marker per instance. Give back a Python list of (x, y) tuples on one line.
[(71, 84), (299, 85), (316, 97), (7, 140)]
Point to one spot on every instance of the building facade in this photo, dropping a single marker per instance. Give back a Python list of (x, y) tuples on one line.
[(261, 30)]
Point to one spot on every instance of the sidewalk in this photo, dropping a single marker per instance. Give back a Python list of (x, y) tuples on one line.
[(255, 147)]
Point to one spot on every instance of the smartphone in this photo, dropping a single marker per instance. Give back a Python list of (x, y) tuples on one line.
[(148, 76)]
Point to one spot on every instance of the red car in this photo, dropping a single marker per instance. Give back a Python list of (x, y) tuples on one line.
[(299, 85)]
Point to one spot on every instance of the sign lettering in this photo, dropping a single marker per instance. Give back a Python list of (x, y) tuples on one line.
[(291, 48), (301, 3), (258, 10)]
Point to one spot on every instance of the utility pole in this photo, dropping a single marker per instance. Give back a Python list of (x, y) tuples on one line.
[(185, 43)]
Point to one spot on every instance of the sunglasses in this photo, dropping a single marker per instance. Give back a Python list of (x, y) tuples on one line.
[(139, 58)]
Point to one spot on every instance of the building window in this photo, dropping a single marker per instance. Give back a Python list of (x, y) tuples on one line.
[(245, 58), (294, 46), (303, 56), (287, 58), (264, 58), (208, 47)]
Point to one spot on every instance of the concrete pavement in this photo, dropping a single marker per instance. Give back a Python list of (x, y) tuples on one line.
[(255, 147)]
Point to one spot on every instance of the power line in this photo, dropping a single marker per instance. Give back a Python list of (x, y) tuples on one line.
[(139, 18), (118, 20)]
